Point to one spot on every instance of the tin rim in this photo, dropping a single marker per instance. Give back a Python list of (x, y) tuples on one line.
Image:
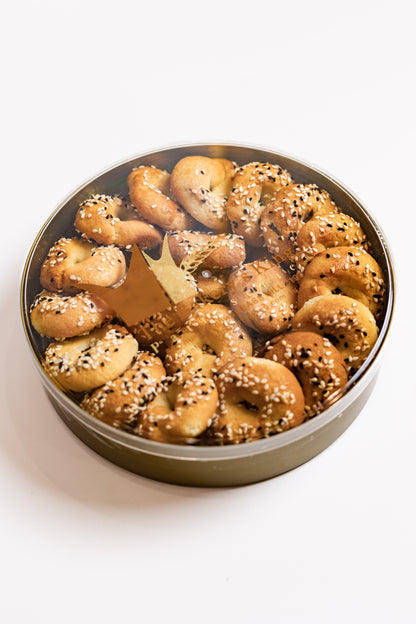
[(233, 451)]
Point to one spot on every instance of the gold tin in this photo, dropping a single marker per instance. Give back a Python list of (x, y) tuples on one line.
[(198, 465)]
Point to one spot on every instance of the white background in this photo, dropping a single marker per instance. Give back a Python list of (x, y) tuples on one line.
[(86, 84)]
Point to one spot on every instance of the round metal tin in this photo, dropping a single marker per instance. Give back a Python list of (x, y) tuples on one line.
[(212, 465)]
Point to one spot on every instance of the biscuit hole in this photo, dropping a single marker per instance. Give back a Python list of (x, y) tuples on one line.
[(206, 348), (249, 406), (332, 339)]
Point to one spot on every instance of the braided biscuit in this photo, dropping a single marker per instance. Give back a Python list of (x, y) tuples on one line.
[(150, 193), (262, 296), (202, 185), (257, 398), (212, 336), (113, 221), (347, 323), (119, 401), (288, 211), (315, 362), (63, 316), (86, 362), (181, 412), (254, 185), (347, 270), (73, 261)]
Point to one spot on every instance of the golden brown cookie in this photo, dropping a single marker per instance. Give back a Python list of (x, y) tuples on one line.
[(287, 212), (212, 336), (150, 193), (257, 398), (344, 270), (254, 185), (111, 220), (324, 231), (86, 362), (202, 185), (207, 250), (61, 316), (315, 362), (74, 261), (181, 412), (262, 296), (119, 401), (347, 323)]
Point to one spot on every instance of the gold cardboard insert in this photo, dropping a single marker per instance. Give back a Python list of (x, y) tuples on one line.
[(150, 286), (173, 279), (139, 296)]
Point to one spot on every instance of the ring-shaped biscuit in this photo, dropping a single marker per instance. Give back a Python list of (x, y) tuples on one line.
[(288, 211), (149, 189), (344, 270), (316, 363), (74, 261), (209, 251), (262, 296), (119, 401), (212, 336), (181, 412), (347, 323), (86, 362), (61, 316), (202, 185), (257, 398), (254, 185), (111, 220), (324, 231)]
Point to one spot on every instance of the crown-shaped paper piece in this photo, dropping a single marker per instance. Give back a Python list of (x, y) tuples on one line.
[(150, 286), (175, 281)]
